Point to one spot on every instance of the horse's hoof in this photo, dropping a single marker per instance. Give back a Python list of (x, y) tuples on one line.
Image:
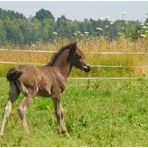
[(1, 135), (67, 135), (26, 132)]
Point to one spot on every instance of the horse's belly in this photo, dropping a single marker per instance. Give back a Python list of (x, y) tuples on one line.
[(44, 93)]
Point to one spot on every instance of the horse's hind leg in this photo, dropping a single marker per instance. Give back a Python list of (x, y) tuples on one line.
[(13, 94), (29, 94), (21, 110)]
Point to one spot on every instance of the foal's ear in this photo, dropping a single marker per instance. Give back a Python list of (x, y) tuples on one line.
[(73, 47), (74, 44)]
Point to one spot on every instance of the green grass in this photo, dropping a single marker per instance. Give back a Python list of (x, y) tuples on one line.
[(97, 113)]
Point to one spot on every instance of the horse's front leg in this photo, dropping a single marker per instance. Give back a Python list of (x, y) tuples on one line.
[(59, 114)]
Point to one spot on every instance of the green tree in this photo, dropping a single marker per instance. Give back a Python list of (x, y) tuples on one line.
[(43, 14)]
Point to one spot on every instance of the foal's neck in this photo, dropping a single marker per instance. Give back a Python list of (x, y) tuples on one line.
[(63, 64)]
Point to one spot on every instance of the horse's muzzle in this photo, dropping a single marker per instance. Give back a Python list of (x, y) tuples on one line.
[(87, 68)]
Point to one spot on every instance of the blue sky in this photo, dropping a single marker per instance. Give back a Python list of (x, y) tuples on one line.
[(78, 10)]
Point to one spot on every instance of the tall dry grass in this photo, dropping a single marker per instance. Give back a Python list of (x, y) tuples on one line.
[(87, 45)]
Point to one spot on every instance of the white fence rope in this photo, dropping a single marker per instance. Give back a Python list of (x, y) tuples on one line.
[(106, 78), (93, 52), (95, 66), (33, 51), (120, 53), (21, 63), (119, 66)]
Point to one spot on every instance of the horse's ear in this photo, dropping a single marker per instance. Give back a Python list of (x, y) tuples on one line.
[(73, 47)]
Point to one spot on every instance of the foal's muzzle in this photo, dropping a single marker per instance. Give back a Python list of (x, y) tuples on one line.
[(86, 68)]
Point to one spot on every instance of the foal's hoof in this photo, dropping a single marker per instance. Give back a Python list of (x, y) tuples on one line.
[(1, 134), (66, 135), (26, 132)]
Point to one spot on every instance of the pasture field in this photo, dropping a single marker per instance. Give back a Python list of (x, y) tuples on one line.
[(97, 113)]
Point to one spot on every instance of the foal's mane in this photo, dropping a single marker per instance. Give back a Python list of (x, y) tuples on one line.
[(58, 53)]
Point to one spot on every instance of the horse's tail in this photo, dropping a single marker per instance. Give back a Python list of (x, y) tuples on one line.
[(13, 74)]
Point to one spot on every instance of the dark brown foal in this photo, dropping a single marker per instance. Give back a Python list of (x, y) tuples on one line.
[(45, 81)]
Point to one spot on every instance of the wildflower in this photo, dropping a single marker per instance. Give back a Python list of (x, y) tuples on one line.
[(78, 32), (99, 29), (145, 27), (142, 35), (55, 33), (75, 33), (86, 33), (32, 45)]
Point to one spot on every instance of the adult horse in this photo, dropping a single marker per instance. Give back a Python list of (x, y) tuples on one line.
[(45, 81)]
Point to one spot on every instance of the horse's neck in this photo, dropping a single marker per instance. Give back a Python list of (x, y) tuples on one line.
[(63, 65)]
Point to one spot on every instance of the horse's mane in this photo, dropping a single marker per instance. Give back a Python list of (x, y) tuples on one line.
[(58, 53)]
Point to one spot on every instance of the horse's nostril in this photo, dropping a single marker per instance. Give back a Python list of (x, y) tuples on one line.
[(89, 68)]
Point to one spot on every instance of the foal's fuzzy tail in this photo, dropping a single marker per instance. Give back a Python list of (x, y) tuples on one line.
[(13, 74)]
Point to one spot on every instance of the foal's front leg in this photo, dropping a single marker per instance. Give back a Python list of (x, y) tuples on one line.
[(59, 114)]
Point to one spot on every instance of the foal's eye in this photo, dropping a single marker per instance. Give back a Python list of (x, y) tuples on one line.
[(79, 56)]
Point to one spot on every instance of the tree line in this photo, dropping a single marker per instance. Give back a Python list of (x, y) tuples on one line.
[(43, 27)]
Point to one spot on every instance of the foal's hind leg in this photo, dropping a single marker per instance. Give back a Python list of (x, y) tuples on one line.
[(29, 94), (13, 94), (21, 110)]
